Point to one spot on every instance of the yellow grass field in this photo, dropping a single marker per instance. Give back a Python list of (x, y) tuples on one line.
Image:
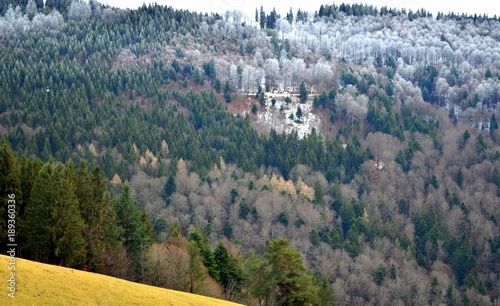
[(42, 284)]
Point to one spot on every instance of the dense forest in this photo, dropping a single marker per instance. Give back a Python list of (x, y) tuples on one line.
[(138, 144)]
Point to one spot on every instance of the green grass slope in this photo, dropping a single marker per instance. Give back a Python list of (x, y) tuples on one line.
[(43, 284)]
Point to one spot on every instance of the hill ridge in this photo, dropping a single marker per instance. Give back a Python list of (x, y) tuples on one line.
[(36, 285)]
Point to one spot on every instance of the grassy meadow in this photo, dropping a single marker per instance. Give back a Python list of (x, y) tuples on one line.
[(42, 284)]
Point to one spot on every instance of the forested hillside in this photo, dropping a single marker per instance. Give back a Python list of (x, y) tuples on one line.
[(348, 156)]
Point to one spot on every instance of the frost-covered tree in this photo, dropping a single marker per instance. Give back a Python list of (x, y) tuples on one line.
[(234, 77), (272, 72), (51, 21), (14, 21), (298, 68), (79, 10), (250, 78), (322, 75), (31, 9)]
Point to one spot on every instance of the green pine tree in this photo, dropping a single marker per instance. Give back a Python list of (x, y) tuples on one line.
[(10, 191), (289, 275), (228, 268), (244, 209), (136, 231), (227, 92), (258, 279), (318, 193), (101, 231), (227, 230), (303, 93), (381, 274), (459, 178), (203, 244), (325, 293), (299, 113), (168, 190), (53, 224), (254, 109), (462, 260), (198, 273), (493, 124)]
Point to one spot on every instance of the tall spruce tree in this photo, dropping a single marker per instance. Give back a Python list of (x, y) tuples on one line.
[(10, 191), (203, 244), (136, 232), (303, 93), (198, 273), (101, 231), (289, 275), (168, 190), (229, 271), (53, 224)]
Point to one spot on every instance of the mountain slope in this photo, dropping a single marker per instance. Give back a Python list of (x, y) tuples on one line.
[(42, 284)]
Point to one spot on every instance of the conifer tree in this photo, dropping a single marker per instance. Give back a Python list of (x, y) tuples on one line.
[(10, 189), (493, 124), (229, 272), (53, 223), (101, 232), (459, 178), (136, 230), (299, 113), (31, 9), (168, 190), (318, 193), (289, 275), (257, 280), (227, 230), (303, 92), (325, 293), (203, 244), (244, 209), (462, 260), (198, 273), (227, 92)]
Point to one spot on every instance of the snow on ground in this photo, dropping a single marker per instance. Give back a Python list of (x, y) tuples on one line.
[(272, 117)]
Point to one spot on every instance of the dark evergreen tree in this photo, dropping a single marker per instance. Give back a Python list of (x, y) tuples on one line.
[(217, 85), (462, 260), (263, 18), (314, 238), (100, 233), (283, 218), (227, 92), (168, 190), (318, 194), (380, 274), (493, 124), (227, 230), (197, 273), (203, 244), (229, 271), (299, 113), (244, 209), (136, 232), (10, 190), (262, 99), (303, 93), (53, 226), (159, 226), (459, 178), (392, 272), (289, 275), (289, 16)]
